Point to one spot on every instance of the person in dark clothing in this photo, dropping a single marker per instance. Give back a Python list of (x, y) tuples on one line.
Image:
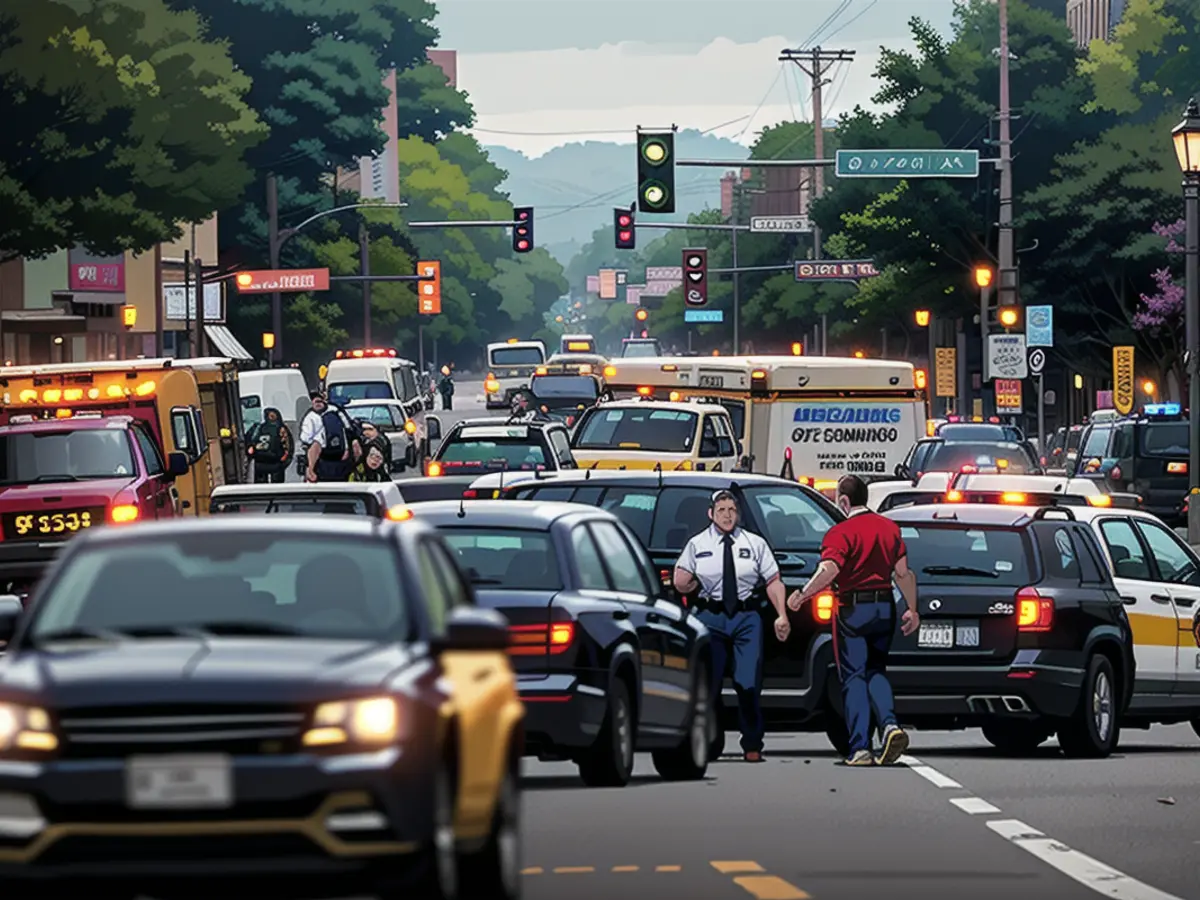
[(373, 437), (336, 447), (446, 388), (270, 446), (373, 467)]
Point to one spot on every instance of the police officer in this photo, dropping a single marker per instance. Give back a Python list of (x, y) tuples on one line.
[(725, 564), (860, 557)]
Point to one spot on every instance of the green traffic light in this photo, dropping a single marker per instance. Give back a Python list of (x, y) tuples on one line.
[(654, 151), (654, 194)]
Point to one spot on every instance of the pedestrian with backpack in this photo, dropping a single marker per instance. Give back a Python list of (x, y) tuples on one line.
[(336, 445), (270, 448)]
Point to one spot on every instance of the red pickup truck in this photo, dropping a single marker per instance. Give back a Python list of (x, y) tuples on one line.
[(61, 476)]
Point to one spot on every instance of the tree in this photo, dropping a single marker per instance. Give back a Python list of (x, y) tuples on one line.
[(1160, 316), (123, 121)]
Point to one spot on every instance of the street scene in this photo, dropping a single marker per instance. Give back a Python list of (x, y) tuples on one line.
[(485, 449)]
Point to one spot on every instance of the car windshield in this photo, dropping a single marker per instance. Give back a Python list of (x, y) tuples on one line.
[(1165, 439), (377, 415), (1074, 438), (516, 356), (51, 456), (574, 387), (345, 391), (639, 349), (506, 559), (228, 582), (1097, 442), (633, 428), (940, 554), (1009, 458), (976, 432), (252, 412), (493, 454), (339, 504)]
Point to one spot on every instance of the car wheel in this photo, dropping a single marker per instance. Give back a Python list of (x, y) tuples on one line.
[(494, 873), (689, 760), (1016, 738), (609, 761), (837, 732), (1092, 730), (437, 865)]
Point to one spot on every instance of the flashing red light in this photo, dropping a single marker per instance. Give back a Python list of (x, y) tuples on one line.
[(624, 221), (969, 470), (626, 235), (523, 245)]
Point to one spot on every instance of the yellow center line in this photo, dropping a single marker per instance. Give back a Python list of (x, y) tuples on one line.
[(726, 867), (625, 868), (770, 887), (668, 868), (574, 870)]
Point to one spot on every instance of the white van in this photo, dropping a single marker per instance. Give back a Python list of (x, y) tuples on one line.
[(373, 376), (510, 366), (283, 389)]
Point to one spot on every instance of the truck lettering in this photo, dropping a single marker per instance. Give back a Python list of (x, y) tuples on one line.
[(861, 435), (806, 436)]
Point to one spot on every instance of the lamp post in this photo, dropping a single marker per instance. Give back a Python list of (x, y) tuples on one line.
[(924, 319), (1186, 137)]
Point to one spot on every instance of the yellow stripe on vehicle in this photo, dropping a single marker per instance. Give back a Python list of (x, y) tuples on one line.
[(1154, 631)]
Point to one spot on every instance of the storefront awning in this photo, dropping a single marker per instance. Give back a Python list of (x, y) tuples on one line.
[(226, 344)]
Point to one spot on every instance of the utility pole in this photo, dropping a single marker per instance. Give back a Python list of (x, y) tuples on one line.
[(187, 304), (364, 255), (159, 314), (1006, 255), (275, 246)]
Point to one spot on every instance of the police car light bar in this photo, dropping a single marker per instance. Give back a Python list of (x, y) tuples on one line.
[(1162, 409), (365, 354)]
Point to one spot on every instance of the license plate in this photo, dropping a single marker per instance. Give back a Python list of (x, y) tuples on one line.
[(50, 525), (712, 381), (179, 782), (967, 636), (936, 636)]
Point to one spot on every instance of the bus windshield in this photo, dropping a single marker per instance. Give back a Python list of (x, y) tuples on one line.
[(361, 390), (659, 430), (502, 357)]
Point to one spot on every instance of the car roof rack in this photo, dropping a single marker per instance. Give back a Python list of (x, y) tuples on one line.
[(1045, 511)]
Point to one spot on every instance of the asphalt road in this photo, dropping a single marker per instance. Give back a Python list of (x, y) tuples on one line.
[(957, 821)]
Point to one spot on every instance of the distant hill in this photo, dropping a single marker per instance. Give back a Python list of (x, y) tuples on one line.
[(575, 187)]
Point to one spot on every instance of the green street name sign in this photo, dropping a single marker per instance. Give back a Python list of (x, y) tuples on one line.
[(907, 164)]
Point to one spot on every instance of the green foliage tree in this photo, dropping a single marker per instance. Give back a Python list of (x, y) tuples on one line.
[(124, 120)]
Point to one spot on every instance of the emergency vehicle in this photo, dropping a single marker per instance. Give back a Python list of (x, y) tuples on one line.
[(373, 374), (812, 418), (577, 343), (649, 434), (510, 366)]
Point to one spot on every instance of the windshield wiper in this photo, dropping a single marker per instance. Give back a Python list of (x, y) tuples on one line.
[(80, 634), (958, 570), (247, 629), (47, 479)]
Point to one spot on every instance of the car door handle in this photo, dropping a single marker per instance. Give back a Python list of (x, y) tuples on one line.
[(621, 614), (1160, 598), (1129, 601)]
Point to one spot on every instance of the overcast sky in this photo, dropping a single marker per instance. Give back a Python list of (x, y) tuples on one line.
[(597, 69)]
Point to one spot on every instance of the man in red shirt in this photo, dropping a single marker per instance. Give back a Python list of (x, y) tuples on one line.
[(860, 557)]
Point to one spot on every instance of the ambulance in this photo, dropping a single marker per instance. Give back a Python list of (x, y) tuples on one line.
[(809, 418)]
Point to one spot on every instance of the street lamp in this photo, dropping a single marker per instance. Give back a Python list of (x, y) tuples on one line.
[(1149, 387), (1186, 137)]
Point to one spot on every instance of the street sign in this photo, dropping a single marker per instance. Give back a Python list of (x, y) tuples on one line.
[(780, 224), (1006, 356), (1037, 361), (608, 284), (1123, 380), (946, 372), (1039, 326), (633, 293), (1008, 396), (664, 273), (660, 288), (283, 281), (703, 315), (836, 270), (907, 164)]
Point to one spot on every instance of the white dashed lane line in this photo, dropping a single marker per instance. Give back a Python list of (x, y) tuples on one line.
[(1082, 868)]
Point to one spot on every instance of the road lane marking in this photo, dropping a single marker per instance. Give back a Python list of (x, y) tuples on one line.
[(668, 868), (625, 868), (936, 778), (1082, 868), (726, 867), (973, 806), (770, 887), (574, 870)]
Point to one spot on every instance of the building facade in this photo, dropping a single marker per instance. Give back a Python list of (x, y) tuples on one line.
[(1093, 20)]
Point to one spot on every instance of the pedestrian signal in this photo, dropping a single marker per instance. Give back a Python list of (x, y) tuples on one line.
[(695, 277), (429, 288)]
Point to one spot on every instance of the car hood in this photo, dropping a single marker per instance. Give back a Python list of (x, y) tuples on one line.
[(53, 495), (73, 675)]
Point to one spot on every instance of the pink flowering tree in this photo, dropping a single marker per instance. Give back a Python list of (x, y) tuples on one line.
[(1159, 316)]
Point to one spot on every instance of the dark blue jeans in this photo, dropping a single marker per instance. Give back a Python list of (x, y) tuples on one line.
[(861, 640), (739, 639)]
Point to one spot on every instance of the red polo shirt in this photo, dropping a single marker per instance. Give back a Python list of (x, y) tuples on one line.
[(866, 548)]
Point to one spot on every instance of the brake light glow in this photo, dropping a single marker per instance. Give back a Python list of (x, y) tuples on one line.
[(645, 391), (123, 513), (1101, 500), (537, 640), (954, 496), (1176, 468), (470, 494), (969, 470), (930, 427), (1034, 612), (433, 470), (665, 577), (540, 370), (758, 374), (822, 607), (1013, 497)]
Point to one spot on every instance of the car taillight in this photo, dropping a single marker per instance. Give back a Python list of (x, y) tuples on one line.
[(822, 607), (433, 470), (1034, 612), (537, 640), (470, 494), (969, 470), (954, 496), (1014, 497)]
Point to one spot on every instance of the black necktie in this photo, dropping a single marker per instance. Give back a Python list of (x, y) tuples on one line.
[(729, 591)]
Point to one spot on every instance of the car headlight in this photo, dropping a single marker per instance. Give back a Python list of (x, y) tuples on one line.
[(372, 721), (25, 728)]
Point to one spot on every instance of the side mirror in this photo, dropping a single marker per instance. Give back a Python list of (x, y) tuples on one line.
[(10, 615), (177, 464), (741, 449), (470, 629), (902, 471), (433, 429)]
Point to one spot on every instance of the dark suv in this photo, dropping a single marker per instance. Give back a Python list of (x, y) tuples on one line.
[(1022, 631)]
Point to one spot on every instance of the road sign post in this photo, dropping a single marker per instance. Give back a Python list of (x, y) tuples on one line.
[(1037, 365), (907, 164)]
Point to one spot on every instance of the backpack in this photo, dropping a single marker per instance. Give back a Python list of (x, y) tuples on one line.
[(337, 440), (268, 443)]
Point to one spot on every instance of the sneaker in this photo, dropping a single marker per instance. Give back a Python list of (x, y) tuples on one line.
[(895, 745), (861, 758)]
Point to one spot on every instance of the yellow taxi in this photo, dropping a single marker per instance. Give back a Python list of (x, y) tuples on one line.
[(652, 434)]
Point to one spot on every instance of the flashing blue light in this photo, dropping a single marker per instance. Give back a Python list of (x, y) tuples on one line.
[(1162, 409)]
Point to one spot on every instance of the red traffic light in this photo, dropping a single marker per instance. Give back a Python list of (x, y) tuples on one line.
[(522, 245), (626, 236), (624, 221)]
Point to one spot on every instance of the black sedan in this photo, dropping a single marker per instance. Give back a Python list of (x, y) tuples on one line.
[(606, 663), (314, 709)]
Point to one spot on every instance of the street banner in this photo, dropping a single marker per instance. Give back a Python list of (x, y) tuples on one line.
[(946, 372), (1039, 326), (1008, 396), (1123, 380), (283, 281), (593, 284)]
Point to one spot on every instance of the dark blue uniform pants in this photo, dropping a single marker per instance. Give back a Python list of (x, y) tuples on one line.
[(861, 641), (739, 639)]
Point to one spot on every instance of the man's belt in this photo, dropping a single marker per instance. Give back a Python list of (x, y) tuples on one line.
[(707, 604), (856, 597)]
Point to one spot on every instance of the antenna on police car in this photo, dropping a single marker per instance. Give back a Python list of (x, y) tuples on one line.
[(462, 506), (658, 469)]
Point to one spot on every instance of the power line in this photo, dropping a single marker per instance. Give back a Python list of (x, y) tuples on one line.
[(587, 133), (816, 35), (846, 25), (757, 109)]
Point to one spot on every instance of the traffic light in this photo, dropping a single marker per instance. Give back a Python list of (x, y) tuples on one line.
[(623, 229), (523, 229), (1009, 316), (695, 277), (983, 276), (921, 379), (656, 171), (429, 288), (641, 315)]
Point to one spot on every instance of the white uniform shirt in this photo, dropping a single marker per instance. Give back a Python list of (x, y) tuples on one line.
[(704, 557), (312, 429)]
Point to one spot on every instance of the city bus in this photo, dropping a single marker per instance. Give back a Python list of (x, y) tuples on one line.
[(811, 418)]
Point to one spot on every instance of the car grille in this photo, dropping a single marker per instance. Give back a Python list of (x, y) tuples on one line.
[(169, 849), (119, 732)]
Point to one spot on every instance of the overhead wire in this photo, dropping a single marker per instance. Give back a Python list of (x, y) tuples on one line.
[(757, 109), (862, 12), (830, 19)]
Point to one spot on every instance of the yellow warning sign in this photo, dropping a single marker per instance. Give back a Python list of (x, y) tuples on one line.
[(1123, 380), (946, 375)]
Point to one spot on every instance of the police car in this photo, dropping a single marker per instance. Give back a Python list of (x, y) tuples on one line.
[(476, 446)]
